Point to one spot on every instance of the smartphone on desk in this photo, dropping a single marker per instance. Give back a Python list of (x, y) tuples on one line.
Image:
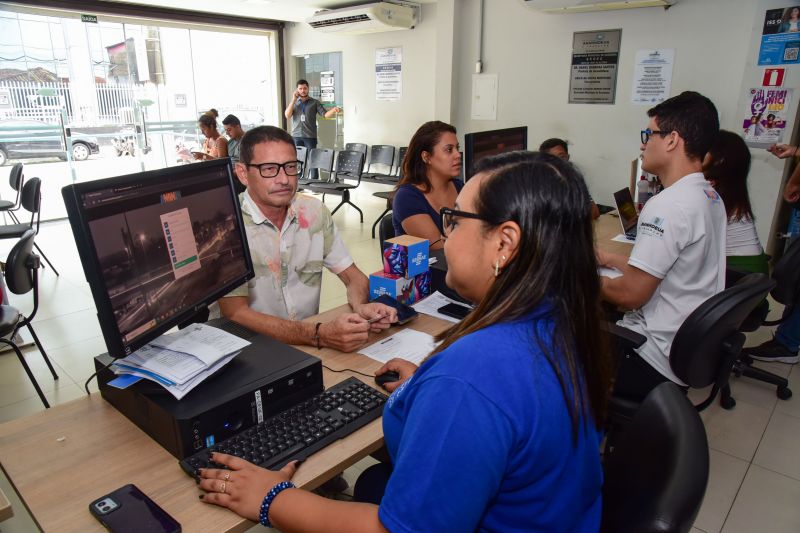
[(455, 310), (129, 510), (405, 313)]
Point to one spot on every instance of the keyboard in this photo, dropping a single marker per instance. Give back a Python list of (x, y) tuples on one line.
[(301, 430)]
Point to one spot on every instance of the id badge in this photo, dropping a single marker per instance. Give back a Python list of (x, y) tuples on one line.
[(302, 118)]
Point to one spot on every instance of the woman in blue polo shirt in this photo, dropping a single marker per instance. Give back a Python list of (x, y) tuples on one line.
[(430, 181), (498, 430)]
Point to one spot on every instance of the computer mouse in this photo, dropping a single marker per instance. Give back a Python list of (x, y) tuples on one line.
[(387, 377)]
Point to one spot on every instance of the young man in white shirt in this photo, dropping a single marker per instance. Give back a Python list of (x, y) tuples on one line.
[(678, 260)]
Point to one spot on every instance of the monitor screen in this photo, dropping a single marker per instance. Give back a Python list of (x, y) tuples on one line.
[(157, 247), (486, 143)]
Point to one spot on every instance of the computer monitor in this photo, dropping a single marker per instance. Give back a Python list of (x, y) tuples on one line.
[(157, 247), (485, 143)]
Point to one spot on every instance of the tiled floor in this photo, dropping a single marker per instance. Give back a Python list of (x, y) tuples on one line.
[(755, 464)]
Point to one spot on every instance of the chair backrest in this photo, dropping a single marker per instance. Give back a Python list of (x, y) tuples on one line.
[(350, 164), (656, 476), (302, 156), (702, 347), (382, 154), (401, 153), (358, 147), (385, 229), (21, 265), (31, 200), (787, 275), (319, 158)]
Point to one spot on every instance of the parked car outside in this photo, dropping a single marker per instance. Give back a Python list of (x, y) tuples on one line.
[(27, 139)]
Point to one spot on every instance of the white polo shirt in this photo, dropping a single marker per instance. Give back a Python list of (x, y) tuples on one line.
[(680, 240)]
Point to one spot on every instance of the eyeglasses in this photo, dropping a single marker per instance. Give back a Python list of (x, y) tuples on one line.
[(448, 216), (646, 134), (270, 170)]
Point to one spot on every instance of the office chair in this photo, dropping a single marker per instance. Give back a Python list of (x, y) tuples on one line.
[(21, 275), (358, 147), (383, 155), (389, 195), (706, 345), (31, 201), (15, 180), (349, 164), (656, 476), (319, 159), (786, 275)]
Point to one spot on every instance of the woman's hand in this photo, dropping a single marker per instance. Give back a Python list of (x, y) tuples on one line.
[(782, 150), (405, 369), (242, 488)]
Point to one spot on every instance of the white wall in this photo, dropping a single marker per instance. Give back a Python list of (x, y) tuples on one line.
[(716, 46), (366, 119)]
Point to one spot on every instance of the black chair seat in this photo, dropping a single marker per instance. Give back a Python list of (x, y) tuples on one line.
[(13, 230), (386, 195), (9, 317), (5, 205), (331, 188)]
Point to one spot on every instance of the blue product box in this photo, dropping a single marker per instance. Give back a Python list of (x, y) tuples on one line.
[(406, 256), (400, 288)]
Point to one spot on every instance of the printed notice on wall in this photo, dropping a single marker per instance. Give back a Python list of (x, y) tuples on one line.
[(652, 76), (388, 74), (182, 246), (765, 115), (595, 56), (327, 92), (780, 36)]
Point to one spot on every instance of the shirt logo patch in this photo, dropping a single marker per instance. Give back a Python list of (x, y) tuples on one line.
[(654, 227), (712, 195)]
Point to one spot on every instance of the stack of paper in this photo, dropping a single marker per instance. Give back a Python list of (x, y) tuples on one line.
[(179, 361)]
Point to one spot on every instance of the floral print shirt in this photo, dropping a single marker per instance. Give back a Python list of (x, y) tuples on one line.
[(288, 262)]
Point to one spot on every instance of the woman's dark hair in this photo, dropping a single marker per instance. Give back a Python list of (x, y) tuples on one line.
[(727, 170), (787, 13), (554, 265), (414, 168), (208, 120), (551, 143)]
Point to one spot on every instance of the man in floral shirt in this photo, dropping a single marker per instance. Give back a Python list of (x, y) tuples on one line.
[(291, 237)]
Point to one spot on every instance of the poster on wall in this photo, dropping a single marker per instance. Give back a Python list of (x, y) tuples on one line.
[(652, 76), (780, 37), (388, 74), (595, 56), (327, 92), (765, 116)]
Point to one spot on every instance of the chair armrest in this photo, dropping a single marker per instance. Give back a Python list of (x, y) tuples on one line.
[(624, 338)]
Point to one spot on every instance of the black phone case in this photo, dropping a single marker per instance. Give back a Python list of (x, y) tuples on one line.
[(136, 513), (404, 312), (455, 310)]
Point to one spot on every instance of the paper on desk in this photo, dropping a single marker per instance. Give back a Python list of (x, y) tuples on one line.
[(622, 238), (207, 343), (409, 344), (609, 272), (433, 302)]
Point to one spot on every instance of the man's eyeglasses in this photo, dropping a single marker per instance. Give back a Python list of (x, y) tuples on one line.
[(448, 217), (646, 134), (270, 170)]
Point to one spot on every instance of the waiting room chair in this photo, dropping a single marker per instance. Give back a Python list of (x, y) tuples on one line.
[(31, 201), (302, 156), (358, 147), (389, 195), (656, 476), (385, 230), (786, 275), (706, 345), (15, 180), (22, 267), (383, 156), (320, 159), (349, 165)]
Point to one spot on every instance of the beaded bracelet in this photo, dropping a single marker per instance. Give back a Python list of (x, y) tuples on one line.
[(263, 515)]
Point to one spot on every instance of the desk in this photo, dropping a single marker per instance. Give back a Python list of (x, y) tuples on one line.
[(606, 228), (61, 459)]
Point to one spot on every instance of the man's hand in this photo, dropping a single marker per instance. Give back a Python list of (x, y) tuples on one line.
[(296, 94), (602, 257), (386, 315), (783, 151), (345, 333), (791, 193), (404, 368), (245, 484), (336, 109)]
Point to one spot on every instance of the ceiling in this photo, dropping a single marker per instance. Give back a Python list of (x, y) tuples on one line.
[(289, 10)]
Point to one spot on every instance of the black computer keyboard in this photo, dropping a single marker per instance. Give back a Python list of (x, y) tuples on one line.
[(301, 430)]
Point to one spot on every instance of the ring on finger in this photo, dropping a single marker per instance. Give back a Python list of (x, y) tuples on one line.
[(227, 476), (222, 487)]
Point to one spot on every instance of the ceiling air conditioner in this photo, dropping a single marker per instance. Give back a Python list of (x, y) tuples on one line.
[(583, 6), (367, 18)]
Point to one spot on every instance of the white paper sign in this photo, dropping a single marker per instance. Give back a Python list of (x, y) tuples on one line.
[(388, 74), (652, 76)]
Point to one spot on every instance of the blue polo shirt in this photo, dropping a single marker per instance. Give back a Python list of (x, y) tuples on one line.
[(409, 201)]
